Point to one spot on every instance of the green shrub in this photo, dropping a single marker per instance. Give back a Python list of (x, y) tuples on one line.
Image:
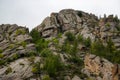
[(115, 57), (55, 40), (1, 55), (1, 50), (116, 19), (110, 46), (20, 31), (30, 54), (35, 35), (9, 70), (45, 52), (76, 60), (36, 68), (41, 44), (66, 48), (11, 46), (74, 49), (59, 35), (107, 24), (70, 36), (70, 48), (98, 48), (38, 40), (46, 77), (23, 44), (87, 42), (79, 13), (52, 64), (2, 62), (118, 28), (109, 51), (80, 38)]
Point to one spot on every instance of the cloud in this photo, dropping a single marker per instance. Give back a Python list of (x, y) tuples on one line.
[(32, 12)]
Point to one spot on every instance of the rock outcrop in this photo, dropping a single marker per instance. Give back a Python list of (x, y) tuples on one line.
[(116, 72), (100, 68), (15, 43), (88, 25), (18, 70), (60, 53), (15, 40)]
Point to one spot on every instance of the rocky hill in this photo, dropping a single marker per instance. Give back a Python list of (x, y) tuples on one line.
[(69, 45)]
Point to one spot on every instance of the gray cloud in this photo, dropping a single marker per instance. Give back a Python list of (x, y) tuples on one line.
[(30, 13)]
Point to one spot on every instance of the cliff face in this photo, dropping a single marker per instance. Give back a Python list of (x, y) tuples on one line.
[(69, 45)]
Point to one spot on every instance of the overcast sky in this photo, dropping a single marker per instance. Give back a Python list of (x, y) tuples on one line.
[(31, 13)]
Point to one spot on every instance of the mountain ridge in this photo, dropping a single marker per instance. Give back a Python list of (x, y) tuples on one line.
[(68, 45)]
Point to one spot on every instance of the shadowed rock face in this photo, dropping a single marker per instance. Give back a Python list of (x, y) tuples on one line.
[(82, 23), (15, 40)]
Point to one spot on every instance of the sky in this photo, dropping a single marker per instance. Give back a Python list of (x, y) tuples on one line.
[(31, 13)]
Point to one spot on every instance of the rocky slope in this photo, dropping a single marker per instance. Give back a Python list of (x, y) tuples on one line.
[(100, 68), (15, 42), (69, 45), (88, 25)]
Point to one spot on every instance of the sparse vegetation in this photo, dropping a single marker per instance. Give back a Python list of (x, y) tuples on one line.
[(1, 50), (45, 52), (9, 70), (41, 43), (23, 43), (87, 42), (2, 62), (52, 65), (107, 24), (11, 46), (36, 68), (80, 38), (1, 55), (109, 51), (20, 31), (79, 13), (70, 36), (46, 77), (35, 35)]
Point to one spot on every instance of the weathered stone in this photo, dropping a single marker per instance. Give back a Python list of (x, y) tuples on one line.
[(20, 69), (98, 66), (14, 39), (76, 78)]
